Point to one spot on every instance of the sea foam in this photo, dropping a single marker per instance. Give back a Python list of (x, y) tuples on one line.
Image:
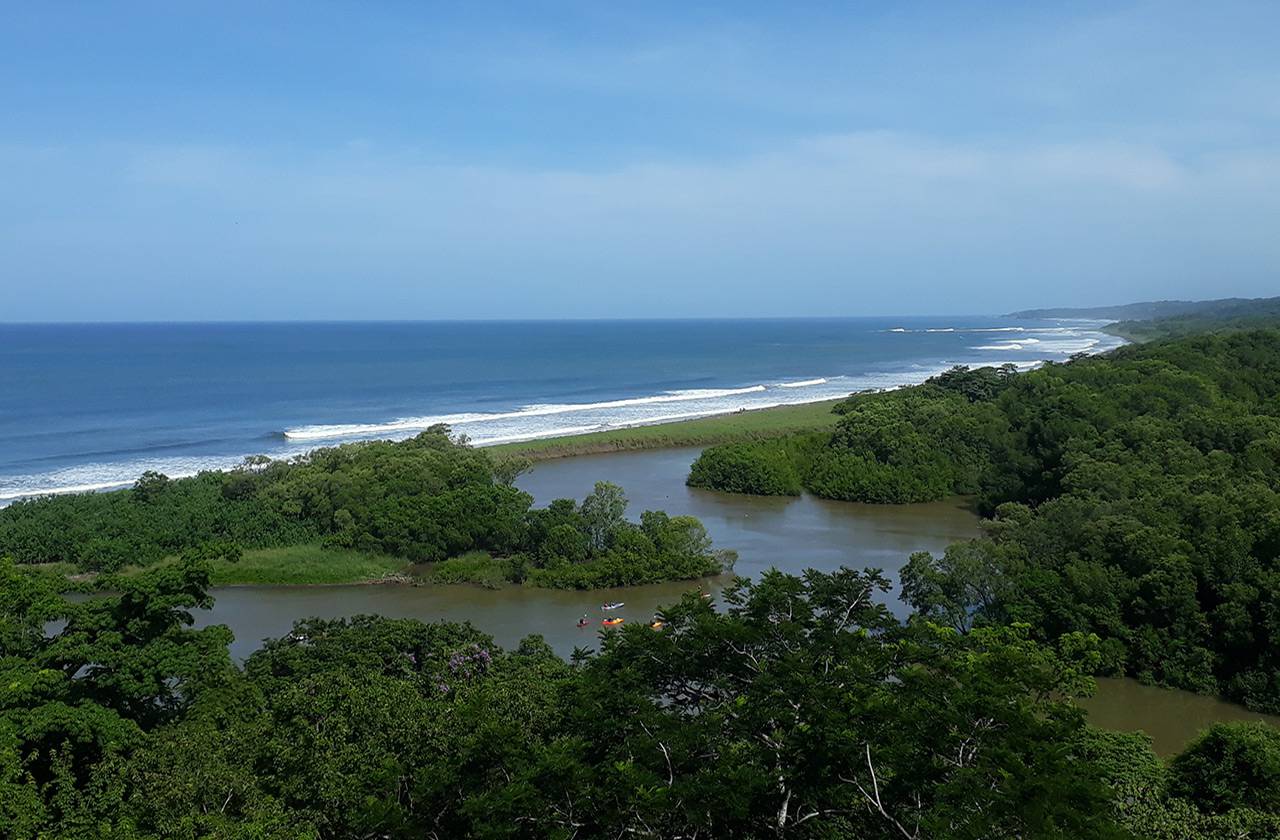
[(322, 432), (551, 419)]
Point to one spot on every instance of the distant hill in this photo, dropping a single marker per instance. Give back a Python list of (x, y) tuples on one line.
[(1172, 318), (1145, 311)]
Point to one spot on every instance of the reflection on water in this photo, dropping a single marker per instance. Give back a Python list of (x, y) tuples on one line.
[(790, 534)]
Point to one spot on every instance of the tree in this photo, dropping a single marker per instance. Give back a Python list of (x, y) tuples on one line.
[(965, 585), (762, 468), (602, 512), (507, 469), (1230, 765), (150, 486), (801, 711), (79, 701)]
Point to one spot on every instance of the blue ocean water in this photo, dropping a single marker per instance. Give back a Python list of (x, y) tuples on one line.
[(91, 406)]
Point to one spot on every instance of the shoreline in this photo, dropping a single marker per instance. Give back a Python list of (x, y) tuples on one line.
[(774, 413), (705, 430)]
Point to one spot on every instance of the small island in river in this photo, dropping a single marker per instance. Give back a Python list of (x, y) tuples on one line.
[(432, 508)]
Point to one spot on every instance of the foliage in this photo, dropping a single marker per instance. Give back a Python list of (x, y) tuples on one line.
[(1135, 496), (802, 710), (1231, 765), (308, 563), (370, 506), (84, 697), (759, 468), (964, 586), (1135, 525), (1189, 318), (913, 445), (753, 425), (592, 546), (1149, 806), (601, 512), (478, 567)]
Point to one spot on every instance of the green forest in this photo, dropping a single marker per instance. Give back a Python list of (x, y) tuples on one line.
[(428, 499), (1132, 526), (799, 708), (1133, 496)]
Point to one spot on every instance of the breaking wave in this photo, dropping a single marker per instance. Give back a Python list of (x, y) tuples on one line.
[(552, 419), (417, 424)]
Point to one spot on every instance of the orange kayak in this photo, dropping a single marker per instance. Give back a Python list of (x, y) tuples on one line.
[(609, 622)]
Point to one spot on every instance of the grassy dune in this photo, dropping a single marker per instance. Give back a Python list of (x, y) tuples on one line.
[(704, 431)]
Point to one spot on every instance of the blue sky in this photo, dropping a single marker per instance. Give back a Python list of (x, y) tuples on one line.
[(414, 160)]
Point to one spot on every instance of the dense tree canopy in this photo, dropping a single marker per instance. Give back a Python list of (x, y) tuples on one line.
[(801, 709), (427, 499), (759, 468), (1134, 495), (1134, 526)]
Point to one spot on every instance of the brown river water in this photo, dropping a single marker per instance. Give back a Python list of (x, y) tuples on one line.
[(791, 534)]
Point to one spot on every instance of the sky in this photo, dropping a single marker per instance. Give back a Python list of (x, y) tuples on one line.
[(413, 160)]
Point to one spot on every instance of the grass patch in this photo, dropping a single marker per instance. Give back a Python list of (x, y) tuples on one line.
[(478, 567), (57, 570), (759, 424), (308, 563)]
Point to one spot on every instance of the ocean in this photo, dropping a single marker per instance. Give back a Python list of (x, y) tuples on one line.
[(92, 406)]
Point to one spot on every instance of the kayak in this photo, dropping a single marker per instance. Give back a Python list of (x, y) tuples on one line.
[(612, 605), (656, 625), (610, 622), (584, 623)]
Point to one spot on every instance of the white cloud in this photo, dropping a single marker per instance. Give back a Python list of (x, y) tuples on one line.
[(885, 221)]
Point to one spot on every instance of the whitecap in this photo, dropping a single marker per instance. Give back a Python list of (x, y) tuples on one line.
[(410, 424)]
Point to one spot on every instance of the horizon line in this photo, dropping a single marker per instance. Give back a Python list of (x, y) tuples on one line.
[(658, 319)]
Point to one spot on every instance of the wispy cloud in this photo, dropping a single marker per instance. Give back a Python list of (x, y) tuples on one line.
[(876, 218), (687, 160)]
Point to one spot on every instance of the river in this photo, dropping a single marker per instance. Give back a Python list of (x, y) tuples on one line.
[(792, 534)]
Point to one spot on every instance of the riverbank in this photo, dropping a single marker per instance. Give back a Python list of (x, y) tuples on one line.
[(791, 533), (752, 424), (311, 565)]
